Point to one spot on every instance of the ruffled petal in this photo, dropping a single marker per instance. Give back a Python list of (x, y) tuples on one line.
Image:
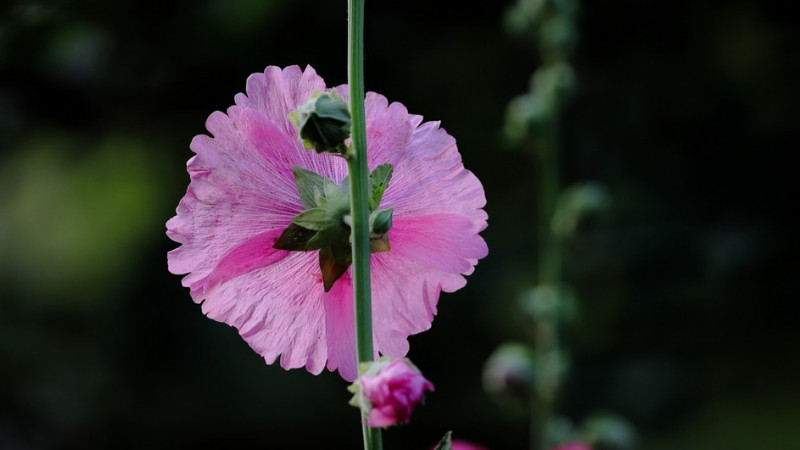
[(278, 310), (404, 297), (448, 242), (389, 127), (431, 179), (235, 193)]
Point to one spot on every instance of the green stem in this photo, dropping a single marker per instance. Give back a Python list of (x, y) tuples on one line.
[(545, 332), (357, 168)]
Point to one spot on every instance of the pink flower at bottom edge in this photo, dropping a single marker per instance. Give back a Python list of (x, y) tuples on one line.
[(459, 444), (574, 445), (242, 196), (464, 445)]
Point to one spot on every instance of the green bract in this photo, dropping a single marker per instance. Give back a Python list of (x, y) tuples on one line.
[(325, 223)]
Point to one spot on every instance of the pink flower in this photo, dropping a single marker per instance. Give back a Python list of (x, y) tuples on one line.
[(392, 390), (574, 445), (242, 196)]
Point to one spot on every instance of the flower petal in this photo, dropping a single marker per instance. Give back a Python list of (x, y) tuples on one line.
[(431, 179), (448, 242), (278, 310), (389, 127), (404, 297)]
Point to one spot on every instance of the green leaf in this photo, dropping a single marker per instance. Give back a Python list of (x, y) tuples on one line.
[(294, 238), (378, 182), (310, 186), (446, 443), (313, 219)]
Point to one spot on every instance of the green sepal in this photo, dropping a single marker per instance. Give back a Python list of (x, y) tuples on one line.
[(325, 224), (380, 221), (331, 269), (378, 182), (294, 239), (341, 249), (446, 443), (379, 244), (310, 186), (313, 219)]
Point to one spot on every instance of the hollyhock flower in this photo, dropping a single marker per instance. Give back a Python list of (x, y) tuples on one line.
[(389, 391), (574, 445), (296, 301)]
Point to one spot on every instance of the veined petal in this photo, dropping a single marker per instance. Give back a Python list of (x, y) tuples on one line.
[(448, 242)]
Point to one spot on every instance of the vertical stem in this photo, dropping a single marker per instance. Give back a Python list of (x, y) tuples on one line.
[(546, 344), (550, 260), (357, 168)]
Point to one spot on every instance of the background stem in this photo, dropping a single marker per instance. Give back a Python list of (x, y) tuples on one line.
[(545, 328)]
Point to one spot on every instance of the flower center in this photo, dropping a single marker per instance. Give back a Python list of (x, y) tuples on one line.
[(325, 223)]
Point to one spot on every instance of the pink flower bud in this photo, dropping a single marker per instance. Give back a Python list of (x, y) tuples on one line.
[(390, 390)]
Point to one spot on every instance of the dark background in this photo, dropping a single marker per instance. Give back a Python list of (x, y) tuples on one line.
[(686, 112)]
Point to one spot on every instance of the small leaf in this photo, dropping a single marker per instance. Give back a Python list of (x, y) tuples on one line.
[(345, 184), (378, 182), (446, 443), (331, 270), (294, 238), (313, 219), (310, 185)]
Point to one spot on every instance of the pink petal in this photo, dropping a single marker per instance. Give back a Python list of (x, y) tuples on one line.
[(448, 242), (404, 297), (431, 179), (252, 254), (340, 327), (278, 309), (276, 93), (379, 419)]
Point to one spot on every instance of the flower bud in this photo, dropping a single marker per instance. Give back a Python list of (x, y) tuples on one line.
[(323, 122), (578, 208), (547, 303), (380, 221), (388, 391), (609, 432), (509, 372)]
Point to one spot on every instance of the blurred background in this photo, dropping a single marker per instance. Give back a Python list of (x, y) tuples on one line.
[(684, 111)]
